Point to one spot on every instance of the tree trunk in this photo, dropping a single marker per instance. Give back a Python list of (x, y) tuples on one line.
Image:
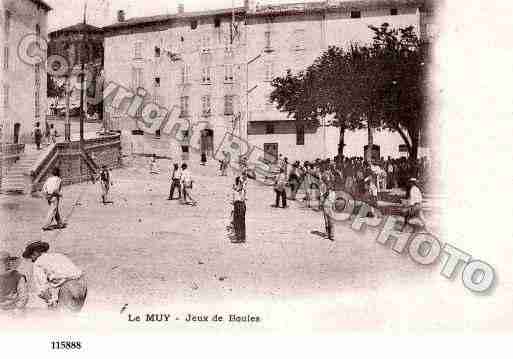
[(414, 149), (370, 142), (341, 140)]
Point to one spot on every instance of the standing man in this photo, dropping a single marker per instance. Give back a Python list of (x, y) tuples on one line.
[(239, 211), (176, 174), (13, 286), (52, 192), (186, 184), (38, 135), (59, 282), (105, 183), (279, 188), (328, 207), (53, 134)]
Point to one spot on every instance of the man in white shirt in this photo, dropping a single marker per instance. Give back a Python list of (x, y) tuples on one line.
[(280, 184), (52, 191), (186, 184), (414, 204), (58, 281)]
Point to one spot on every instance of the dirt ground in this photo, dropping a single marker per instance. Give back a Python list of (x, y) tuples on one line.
[(158, 255)]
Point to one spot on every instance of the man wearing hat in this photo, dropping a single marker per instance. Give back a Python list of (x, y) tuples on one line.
[(414, 204), (13, 285), (59, 282), (52, 191)]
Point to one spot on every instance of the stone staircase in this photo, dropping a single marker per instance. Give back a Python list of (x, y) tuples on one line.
[(17, 178)]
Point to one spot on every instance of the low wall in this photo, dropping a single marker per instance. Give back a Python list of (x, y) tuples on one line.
[(9, 154), (78, 164)]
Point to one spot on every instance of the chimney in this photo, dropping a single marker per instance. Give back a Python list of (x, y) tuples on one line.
[(250, 5), (121, 15), (181, 8)]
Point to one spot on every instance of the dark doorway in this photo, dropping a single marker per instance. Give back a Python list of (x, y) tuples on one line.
[(207, 141), (271, 152), (16, 135)]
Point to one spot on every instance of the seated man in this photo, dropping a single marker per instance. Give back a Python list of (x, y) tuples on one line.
[(59, 282), (414, 204), (13, 285)]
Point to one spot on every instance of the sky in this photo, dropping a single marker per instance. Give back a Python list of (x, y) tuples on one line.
[(103, 12)]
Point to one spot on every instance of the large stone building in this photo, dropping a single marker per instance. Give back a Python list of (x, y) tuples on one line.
[(217, 66), (23, 82)]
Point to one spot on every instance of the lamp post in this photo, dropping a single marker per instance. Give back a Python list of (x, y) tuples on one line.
[(67, 125)]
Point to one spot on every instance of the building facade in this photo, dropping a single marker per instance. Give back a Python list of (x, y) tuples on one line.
[(23, 83), (216, 67)]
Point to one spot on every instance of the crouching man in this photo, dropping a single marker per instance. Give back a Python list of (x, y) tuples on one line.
[(13, 286), (58, 281)]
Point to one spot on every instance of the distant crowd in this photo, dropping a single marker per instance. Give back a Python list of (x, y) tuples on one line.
[(353, 173)]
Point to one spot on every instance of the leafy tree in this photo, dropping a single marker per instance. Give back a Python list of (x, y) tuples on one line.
[(402, 95), (374, 86)]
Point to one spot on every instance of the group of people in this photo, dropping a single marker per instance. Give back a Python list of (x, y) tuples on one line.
[(181, 181), (58, 281), (363, 180), (49, 135)]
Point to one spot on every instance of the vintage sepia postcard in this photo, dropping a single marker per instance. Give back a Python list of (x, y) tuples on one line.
[(187, 167)]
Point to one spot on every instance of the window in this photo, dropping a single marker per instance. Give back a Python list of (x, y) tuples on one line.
[(157, 99), (185, 74), (157, 51), (269, 128), (205, 106), (300, 135), (6, 57), (217, 22), (269, 71), (299, 39), (229, 104), (393, 12), (194, 24), (267, 40), (138, 50), (205, 43), (184, 106), (356, 14), (7, 24), (206, 75), (137, 78), (228, 50), (228, 73), (5, 99), (157, 82)]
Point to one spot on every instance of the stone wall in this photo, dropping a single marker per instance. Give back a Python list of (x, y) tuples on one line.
[(9, 154), (78, 165)]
